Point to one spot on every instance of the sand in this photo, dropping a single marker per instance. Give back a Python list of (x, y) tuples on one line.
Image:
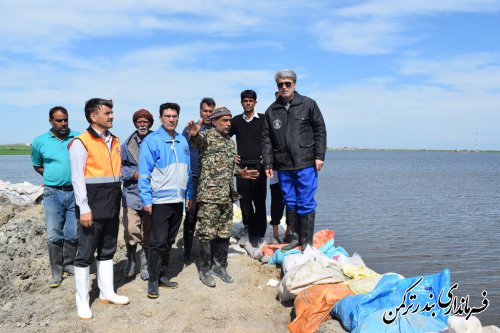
[(28, 305)]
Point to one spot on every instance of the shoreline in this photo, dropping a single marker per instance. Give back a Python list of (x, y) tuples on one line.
[(25, 149)]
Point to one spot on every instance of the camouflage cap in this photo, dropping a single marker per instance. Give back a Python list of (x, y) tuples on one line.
[(220, 111)]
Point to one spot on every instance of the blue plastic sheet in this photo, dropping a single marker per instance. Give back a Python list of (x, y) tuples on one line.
[(278, 256), (402, 324), (329, 250), (396, 298)]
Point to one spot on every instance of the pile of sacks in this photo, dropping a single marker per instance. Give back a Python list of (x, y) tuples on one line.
[(21, 194), (325, 281)]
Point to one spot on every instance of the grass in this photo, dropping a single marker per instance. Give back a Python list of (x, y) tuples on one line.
[(15, 149)]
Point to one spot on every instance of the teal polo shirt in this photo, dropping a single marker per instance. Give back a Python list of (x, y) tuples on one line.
[(52, 153)]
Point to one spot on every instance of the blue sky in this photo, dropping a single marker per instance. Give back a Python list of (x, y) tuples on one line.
[(385, 74)]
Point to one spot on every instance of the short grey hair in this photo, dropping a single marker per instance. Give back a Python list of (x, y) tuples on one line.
[(285, 73)]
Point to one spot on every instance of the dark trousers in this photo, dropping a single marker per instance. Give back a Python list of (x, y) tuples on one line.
[(253, 202), (189, 225), (165, 222), (102, 236), (277, 204)]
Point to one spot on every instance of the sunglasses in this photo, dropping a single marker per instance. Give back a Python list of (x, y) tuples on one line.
[(288, 84)]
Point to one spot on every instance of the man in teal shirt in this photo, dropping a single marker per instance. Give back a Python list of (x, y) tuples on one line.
[(50, 158)]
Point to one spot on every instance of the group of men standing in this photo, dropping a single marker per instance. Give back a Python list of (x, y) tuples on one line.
[(162, 172)]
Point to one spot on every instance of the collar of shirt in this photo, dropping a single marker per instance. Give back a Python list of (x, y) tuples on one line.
[(255, 115), (105, 138), (68, 136)]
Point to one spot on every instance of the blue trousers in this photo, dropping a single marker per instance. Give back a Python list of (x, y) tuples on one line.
[(298, 188), (60, 219)]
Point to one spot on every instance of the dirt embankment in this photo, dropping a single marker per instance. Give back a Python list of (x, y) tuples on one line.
[(28, 305)]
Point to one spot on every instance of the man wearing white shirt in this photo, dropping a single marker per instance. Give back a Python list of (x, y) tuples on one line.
[(96, 177)]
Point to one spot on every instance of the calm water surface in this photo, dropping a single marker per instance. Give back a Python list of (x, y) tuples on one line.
[(417, 213), (412, 213)]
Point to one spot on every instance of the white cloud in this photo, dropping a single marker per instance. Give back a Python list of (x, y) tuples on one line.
[(391, 114), (141, 54), (373, 36), (41, 26), (380, 27), (476, 72)]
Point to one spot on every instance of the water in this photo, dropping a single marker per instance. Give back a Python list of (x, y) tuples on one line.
[(417, 213), (412, 213), (17, 169)]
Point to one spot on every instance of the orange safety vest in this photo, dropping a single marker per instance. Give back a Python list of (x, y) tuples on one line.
[(103, 165), (102, 175)]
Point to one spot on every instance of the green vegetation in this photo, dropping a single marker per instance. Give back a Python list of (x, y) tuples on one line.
[(15, 149)]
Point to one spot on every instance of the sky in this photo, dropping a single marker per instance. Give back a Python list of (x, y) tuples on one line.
[(415, 74)]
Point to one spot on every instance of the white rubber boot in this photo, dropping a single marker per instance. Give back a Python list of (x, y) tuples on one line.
[(106, 285), (82, 280)]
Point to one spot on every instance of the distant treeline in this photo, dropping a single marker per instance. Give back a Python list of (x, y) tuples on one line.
[(15, 149)]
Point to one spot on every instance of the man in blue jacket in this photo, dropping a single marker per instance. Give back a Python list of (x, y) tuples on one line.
[(294, 143), (136, 223), (164, 168)]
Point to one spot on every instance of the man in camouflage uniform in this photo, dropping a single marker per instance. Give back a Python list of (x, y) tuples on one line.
[(216, 193)]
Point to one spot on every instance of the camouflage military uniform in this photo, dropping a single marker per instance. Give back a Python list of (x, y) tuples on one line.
[(216, 192)]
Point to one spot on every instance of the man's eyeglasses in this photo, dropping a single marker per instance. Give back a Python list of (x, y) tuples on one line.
[(288, 84)]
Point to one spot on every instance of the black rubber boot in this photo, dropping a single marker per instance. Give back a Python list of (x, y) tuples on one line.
[(144, 264), (69, 253), (220, 260), (154, 264), (204, 262), (163, 281), (293, 221), (307, 230), (56, 262), (130, 267)]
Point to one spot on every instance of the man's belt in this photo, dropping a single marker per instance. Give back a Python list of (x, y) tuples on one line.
[(62, 188)]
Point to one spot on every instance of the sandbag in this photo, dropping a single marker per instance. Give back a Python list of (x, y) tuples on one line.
[(415, 323), (312, 272), (313, 305), (278, 256), (321, 237), (329, 250), (357, 272), (389, 294), (309, 253), (269, 250), (363, 286)]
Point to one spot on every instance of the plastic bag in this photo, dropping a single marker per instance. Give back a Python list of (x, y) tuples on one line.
[(396, 297)]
